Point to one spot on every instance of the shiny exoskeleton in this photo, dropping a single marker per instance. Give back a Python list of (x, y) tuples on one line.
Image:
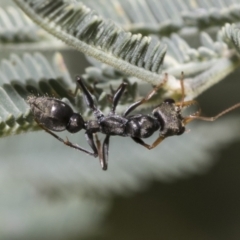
[(54, 115)]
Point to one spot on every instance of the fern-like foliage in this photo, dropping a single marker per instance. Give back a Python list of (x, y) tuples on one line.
[(231, 34), (135, 54), (166, 17), (82, 28), (21, 77), (16, 27)]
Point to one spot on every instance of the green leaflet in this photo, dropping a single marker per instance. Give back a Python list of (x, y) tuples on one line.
[(82, 28)]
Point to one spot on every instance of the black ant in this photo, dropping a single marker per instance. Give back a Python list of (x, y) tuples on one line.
[(54, 115)]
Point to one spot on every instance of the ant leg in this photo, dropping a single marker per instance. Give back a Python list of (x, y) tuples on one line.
[(99, 147), (150, 94), (182, 89), (89, 137), (87, 94), (68, 143), (89, 99), (117, 96), (74, 94), (103, 151), (155, 143)]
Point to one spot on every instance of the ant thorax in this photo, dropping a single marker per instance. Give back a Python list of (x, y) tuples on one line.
[(170, 118), (92, 126), (113, 125)]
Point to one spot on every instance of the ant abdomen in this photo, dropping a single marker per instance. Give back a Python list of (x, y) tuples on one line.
[(55, 114)]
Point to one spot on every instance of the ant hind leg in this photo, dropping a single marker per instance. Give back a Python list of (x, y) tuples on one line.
[(68, 143)]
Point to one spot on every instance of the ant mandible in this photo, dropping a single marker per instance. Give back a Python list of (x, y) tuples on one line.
[(54, 115)]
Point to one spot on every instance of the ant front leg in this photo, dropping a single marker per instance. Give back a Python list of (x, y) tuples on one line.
[(155, 143), (149, 96), (68, 143)]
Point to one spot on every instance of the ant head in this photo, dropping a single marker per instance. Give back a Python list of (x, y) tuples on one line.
[(170, 119), (76, 123)]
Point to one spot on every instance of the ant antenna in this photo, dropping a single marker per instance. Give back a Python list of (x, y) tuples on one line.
[(196, 115), (211, 119), (182, 89), (183, 103)]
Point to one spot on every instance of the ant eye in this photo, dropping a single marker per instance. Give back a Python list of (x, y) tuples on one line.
[(169, 101), (181, 131)]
